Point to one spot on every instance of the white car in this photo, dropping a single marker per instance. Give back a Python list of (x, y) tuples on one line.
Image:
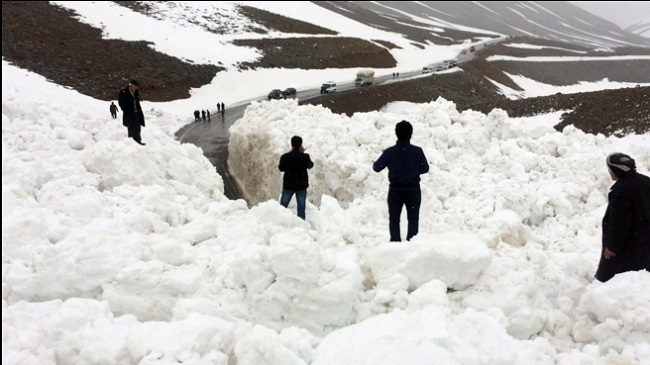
[(328, 87)]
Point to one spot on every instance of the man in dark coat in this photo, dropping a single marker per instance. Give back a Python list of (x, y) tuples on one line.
[(294, 164), (113, 110), (132, 115), (626, 224), (405, 162)]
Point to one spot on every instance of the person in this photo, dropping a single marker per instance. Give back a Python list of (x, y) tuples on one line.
[(218, 107), (223, 107), (208, 112), (626, 224), (132, 115), (405, 162), (113, 110), (197, 115), (203, 115), (294, 164)]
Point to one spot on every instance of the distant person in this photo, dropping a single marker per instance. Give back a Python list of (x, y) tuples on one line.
[(113, 109), (218, 107), (223, 107), (203, 115), (132, 115), (626, 224), (208, 112), (294, 164), (197, 116), (405, 162)]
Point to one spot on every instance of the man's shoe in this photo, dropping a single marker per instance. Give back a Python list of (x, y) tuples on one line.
[(141, 143)]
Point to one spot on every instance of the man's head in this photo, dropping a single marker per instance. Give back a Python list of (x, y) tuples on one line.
[(134, 85), (296, 142), (620, 164), (404, 131)]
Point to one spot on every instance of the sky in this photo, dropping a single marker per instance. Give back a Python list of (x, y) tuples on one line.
[(621, 13), (115, 253)]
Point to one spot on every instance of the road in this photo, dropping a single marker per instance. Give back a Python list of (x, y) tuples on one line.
[(213, 136)]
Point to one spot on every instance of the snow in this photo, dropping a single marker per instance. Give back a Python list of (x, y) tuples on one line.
[(115, 253)]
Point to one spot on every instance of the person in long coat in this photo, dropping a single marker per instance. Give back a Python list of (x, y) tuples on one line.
[(132, 115), (626, 224)]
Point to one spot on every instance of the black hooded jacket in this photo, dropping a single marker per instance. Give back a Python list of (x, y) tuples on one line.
[(626, 226)]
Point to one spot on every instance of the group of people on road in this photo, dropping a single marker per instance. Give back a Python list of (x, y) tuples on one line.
[(202, 115), (625, 225)]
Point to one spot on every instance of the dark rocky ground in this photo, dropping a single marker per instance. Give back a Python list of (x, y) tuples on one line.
[(49, 41)]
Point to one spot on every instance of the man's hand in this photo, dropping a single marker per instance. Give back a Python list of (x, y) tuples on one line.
[(608, 254)]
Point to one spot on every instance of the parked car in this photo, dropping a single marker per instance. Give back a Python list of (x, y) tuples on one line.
[(328, 87), (427, 69), (472, 49), (289, 92), (464, 51), (276, 94)]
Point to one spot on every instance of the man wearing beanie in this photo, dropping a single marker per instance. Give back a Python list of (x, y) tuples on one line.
[(405, 163), (294, 164), (626, 224)]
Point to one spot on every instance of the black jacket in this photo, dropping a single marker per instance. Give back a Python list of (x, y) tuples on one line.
[(626, 226), (294, 164), (129, 108)]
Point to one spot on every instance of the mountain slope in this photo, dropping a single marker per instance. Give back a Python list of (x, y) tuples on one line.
[(641, 27), (559, 21)]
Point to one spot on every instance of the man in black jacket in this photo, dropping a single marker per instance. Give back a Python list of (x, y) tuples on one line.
[(405, 163), (626, 224), (132, 115), (294, 164)]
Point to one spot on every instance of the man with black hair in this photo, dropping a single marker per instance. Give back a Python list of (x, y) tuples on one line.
[(626, 224), (405, 162), (294, 164), (132, 115)]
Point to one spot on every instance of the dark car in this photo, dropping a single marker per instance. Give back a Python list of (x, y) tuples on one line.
[(289, 92), (276, 94)]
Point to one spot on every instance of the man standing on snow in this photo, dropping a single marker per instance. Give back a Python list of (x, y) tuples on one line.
[(294, 164), (405, 162), (132, 115), (113, 110), (626, 224)]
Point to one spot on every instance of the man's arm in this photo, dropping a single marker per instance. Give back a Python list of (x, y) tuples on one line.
[(310, 163), (381, 162), (424, 164), (620, 220)]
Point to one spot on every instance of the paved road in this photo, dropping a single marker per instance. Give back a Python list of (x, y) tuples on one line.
[(212, 137)]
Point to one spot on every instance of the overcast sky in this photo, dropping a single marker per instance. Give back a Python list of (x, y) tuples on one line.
[(621, 13)]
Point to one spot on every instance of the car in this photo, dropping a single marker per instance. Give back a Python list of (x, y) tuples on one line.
[(328, 87), (427, 69), (464, 51), (289, 92), (276, 94), (472, 49)]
